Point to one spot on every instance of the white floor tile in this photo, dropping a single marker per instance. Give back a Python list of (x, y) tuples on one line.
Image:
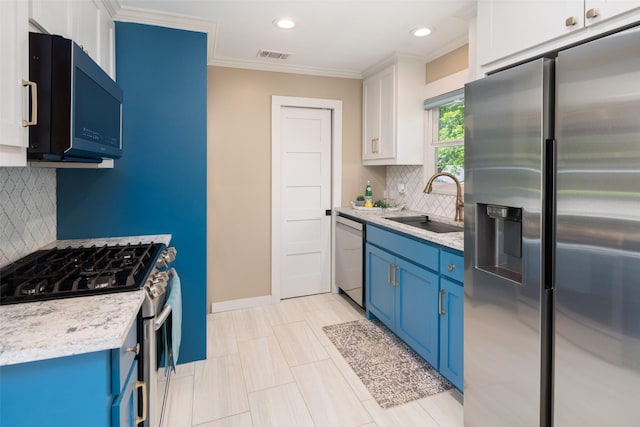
[(274, 366), (286, 311), (279, 406), (221, 337), (178, 411), (409, 414), (331, 401), (445, 409), (184, 370), (240, 420), (349, 375), (251, 323), (319, 318), (299, 344), (263, 363), (219, 389)]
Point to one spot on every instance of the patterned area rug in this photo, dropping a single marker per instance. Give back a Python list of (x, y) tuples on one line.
[(392, 372)]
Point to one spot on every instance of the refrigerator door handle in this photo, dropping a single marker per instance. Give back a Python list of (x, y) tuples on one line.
[(549, 214)]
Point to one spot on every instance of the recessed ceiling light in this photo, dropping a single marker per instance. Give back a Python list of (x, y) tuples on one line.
[(421, 32), (284, 23)]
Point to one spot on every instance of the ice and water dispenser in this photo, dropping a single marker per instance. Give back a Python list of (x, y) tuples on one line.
[(499, 240)]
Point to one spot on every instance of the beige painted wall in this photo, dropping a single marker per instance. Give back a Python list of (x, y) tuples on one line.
[(447, 64), (239, 170)]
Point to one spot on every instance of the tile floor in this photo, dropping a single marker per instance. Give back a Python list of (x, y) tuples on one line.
[(273, 366)]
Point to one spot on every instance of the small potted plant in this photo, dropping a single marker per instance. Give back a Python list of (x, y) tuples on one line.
[(360, 201)]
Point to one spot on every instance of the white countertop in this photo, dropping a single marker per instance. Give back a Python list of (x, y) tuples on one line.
[(65, 327), (451, 240)]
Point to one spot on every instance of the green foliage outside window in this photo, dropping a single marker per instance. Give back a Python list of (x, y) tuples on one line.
[(451, 121), (451, 128), (451, 159)]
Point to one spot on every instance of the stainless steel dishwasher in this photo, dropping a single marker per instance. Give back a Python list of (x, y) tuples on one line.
[(349, 255)]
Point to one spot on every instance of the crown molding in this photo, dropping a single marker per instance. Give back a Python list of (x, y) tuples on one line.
[(170, 20), (284, 68), (391, 59), (111, 6)]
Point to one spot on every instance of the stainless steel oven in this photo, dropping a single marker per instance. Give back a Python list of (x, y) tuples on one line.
[(156, 357)]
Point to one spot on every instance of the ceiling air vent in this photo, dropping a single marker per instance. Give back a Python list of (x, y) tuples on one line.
[(272, 54)]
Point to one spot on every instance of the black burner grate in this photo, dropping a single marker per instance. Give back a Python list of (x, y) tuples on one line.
[(68, 272)]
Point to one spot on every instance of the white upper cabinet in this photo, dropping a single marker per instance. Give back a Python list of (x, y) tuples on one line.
[(14, 96), (392, 116), (510, 31), (51, 16), (86, 22), (599, 10)]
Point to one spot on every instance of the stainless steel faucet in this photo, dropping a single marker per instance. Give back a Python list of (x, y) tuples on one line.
[(459, 201)]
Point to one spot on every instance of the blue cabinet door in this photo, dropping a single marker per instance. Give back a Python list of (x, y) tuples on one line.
[(125, 407), (417, 310), (451, 332), (381, 292)]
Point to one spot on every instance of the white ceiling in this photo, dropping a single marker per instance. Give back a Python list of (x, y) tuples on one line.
[(332, 37)]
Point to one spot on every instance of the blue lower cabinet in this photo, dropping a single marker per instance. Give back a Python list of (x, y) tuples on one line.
[(381, 292), (61, 392), (415, 289), (451, 331), (416, 320), (96, 389)]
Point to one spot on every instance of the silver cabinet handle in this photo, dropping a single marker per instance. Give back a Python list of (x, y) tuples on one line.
[(440, 309), (389, 281), (374, 145), (33, 87), (592, 13), (451, 267), (570, 21), (395, 275)]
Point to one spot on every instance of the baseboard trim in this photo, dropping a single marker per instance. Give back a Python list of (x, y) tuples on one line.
[(238, 304)]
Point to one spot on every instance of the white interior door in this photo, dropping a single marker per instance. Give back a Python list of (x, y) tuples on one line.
[(305, 196)]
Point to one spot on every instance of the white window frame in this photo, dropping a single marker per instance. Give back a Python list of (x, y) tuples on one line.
[(431, 119)]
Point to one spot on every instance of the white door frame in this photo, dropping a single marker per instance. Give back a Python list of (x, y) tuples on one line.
[(277, 102)]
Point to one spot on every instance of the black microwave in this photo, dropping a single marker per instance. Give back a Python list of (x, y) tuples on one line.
[(79, 107)]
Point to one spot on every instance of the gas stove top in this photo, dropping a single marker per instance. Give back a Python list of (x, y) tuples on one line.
[(69, 272)]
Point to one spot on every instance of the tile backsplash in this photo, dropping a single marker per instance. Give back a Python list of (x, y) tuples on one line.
[(27, 211), (415, 198)]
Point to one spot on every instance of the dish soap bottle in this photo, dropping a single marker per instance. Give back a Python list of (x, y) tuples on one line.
[(368, 194)]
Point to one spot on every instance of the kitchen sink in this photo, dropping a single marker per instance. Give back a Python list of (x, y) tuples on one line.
[(423, 222)]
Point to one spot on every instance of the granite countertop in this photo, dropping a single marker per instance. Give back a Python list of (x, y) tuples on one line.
[(65, 327), (451, 240)]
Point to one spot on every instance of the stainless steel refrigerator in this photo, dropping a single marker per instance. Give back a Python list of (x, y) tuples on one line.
[(552, 240)]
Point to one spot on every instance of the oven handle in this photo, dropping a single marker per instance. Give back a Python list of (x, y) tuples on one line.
[(162, 317)]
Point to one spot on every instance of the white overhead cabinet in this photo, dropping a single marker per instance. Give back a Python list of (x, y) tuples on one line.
[(392, 126), (511, 31), (87, 22), (14, 72)]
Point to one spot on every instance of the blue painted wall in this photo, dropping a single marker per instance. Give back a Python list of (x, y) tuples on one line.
[(159, 184)]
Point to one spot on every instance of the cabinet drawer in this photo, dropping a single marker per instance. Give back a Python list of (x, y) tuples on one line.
[(419, 252), (122, 358), (452, 265)]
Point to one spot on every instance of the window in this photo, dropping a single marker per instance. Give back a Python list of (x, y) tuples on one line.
[(445, 139)]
